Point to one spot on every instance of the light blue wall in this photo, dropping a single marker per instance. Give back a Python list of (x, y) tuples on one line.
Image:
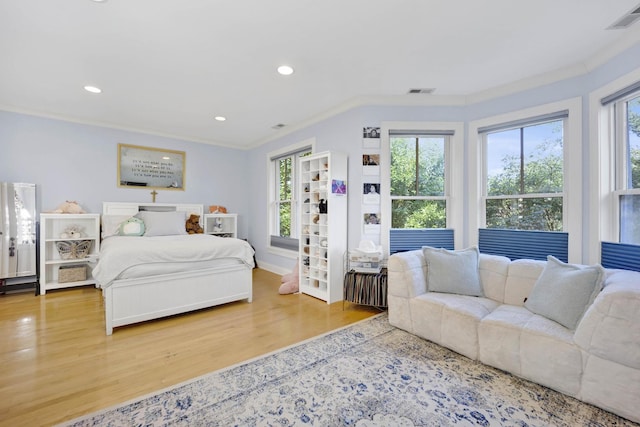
[(343, 133), (70, 161), (79, 162)]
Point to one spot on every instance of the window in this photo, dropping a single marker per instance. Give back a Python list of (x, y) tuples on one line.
[(525, 182), (422, 195), (524, 176), (418, 184), (615, 162), (627, 145), (284, 205)]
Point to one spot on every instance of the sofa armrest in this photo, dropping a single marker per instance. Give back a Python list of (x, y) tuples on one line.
[(610, 328), (407, 274)]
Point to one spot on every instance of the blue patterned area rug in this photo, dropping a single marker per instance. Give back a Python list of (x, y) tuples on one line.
[(367, 374)]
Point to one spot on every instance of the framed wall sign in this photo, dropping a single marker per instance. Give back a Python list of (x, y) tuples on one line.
[(146, 167)]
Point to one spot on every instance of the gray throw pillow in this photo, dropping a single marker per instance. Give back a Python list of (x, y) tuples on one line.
[(563, 292), (453, 272), (163, 223)]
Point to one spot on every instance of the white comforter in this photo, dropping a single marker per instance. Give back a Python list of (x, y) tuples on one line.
[(121, 253)]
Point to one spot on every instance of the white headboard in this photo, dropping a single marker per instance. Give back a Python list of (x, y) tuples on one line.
[(132, 208)]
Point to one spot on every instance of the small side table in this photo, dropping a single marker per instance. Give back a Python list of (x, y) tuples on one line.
[(366, 288)]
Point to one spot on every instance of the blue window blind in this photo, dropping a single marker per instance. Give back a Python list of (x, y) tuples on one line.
[(620, 255), (519, 244), (408, 239)]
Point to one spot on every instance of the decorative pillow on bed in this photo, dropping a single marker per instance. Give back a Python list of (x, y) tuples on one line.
[(163, 223), (131, 227), (111, 224), (453, 272)]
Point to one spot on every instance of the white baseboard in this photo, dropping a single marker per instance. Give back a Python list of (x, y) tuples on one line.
[(276, 269)]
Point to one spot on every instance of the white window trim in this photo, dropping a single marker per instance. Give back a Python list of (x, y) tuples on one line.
[(603, 201), (271, 192), (454, 191), (572, 151)]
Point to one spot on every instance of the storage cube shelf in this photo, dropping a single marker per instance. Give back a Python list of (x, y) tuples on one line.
[(323, 225), (58, 250), (223, 225)]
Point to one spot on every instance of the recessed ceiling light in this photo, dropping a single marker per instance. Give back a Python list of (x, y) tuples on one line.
[(220, 118), (100, 1), (285, 70), (93, 89)]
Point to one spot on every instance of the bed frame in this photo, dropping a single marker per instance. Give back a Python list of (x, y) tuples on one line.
[(130, 301)]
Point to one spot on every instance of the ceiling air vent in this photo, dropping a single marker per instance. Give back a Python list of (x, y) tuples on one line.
[(626, 20), (427, 91), (278, 126)]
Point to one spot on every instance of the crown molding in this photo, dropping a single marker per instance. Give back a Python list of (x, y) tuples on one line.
[(628, 40), (61, 117)]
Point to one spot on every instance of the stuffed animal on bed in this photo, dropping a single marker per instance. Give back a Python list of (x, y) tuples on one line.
[(290, 282), (193, 225)]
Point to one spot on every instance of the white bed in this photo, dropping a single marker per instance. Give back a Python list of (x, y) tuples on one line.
[(148, 287)]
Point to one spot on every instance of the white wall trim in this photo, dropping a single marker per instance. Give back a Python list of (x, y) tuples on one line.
[(572, 146), (273, 268)]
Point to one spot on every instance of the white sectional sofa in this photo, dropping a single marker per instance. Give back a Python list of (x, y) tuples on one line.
[(598, 361)]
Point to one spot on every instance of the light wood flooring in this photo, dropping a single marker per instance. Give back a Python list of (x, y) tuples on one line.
[(56, 363)]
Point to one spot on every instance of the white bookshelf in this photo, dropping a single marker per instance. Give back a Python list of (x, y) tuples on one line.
[(323, 236), (53, 234)]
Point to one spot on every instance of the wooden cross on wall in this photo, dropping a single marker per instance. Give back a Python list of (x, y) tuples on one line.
[(154, 193)]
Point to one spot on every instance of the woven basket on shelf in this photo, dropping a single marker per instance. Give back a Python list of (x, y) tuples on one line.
[(73, 249), (72, 273)]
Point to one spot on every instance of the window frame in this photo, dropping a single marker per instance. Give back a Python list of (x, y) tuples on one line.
[(273, 192), (454, 177), (604, 223), (621, 163), (445, 196), (572, 169), (485, 179)]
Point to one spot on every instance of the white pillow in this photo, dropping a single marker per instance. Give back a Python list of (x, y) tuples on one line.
[(563, 292), (163, 223), (111, 224), (453, 272)]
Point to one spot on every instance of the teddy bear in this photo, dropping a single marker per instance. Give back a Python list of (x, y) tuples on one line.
[(193, 225), (72, 232), (290, 282), (70, 207)]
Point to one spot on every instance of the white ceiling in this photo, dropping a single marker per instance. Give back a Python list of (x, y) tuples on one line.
[(167, 67)]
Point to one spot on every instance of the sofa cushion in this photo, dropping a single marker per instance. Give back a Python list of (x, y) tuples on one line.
[(453, 272), (610, 328), (549, 355), (521, 277), (514, 339), (493, 275), (450, 320), (499, 337), (564, 291)]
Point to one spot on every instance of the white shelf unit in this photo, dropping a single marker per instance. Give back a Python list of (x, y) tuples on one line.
[(323, 236), (52, 227), (223, 225)]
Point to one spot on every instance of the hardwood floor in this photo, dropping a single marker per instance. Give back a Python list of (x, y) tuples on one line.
[(57, 363)]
